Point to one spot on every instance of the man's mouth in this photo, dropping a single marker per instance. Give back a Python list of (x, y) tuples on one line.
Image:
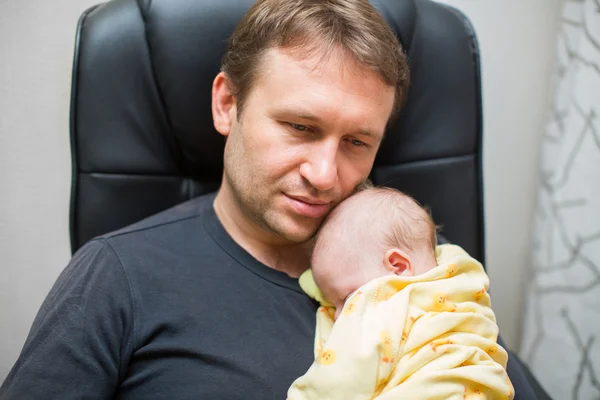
[(308, 207)]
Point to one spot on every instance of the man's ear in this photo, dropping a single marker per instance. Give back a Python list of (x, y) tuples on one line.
[(224, 105), (398, 262)]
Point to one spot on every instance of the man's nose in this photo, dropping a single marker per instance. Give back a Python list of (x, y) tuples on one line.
[(320, 168)]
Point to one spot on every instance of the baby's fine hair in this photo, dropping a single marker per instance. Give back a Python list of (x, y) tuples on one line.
[(377, 219)]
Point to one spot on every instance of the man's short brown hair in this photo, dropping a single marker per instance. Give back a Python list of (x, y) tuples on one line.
[(315, 25)]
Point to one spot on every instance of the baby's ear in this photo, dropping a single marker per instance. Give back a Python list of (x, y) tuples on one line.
[(398, 262)]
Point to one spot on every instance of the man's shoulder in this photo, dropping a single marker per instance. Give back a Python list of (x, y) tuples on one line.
[(149, 251), (164, 221)]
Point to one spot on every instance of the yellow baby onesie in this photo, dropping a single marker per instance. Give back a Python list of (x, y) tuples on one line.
[(431, 336)]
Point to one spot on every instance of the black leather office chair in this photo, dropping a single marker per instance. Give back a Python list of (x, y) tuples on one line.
[(142, 133), (141, 127)]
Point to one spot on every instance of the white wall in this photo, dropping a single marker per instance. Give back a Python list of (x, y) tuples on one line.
[(36, 46), (517, 43)]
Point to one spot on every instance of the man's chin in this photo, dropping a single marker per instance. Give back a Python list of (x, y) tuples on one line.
[(297, 236), (298, 233), (301, 238), (291, 227)]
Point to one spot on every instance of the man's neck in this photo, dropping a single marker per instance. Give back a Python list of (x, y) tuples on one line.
[(268, 248)]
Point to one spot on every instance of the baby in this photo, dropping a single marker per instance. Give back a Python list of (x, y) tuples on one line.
[(412, 320), (377, 232)]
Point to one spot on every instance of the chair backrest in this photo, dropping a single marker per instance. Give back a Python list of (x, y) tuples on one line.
[(141, 127)]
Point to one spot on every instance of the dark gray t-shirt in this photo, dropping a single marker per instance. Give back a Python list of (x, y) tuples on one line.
[(172, 308), (169, 308)]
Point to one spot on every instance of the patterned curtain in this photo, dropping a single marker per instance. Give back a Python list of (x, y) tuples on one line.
[(561, 331)]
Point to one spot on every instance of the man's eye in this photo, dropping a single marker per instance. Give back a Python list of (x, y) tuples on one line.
[(357, 143), (299, 127)]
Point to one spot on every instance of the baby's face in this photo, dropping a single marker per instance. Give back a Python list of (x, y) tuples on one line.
[(337, 280), (338, 276)]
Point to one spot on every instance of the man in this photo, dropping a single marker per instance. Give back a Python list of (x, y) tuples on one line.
[(202, 301)]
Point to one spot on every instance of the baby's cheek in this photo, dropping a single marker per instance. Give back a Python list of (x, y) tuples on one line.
[(338, 310)]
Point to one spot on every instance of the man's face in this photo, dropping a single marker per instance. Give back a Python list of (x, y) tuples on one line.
[(307, 136)]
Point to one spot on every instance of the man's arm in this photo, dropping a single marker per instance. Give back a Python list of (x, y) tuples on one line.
[(79, 342)]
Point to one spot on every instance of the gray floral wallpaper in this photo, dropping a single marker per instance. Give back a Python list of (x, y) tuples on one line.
[(561, 332)]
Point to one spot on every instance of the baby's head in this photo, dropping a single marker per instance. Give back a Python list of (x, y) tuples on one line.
[(375, 232)]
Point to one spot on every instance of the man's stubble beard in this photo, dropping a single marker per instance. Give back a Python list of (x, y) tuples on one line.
[(244, 188), (255, 208)]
